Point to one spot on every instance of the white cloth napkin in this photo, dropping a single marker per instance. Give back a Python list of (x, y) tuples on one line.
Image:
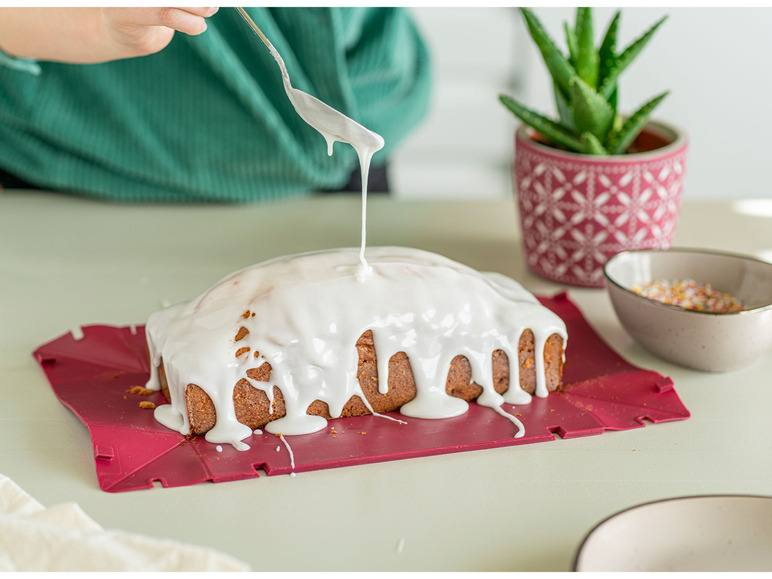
[(64, 538)]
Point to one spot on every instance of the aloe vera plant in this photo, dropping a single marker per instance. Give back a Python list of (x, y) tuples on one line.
[(585, 85)]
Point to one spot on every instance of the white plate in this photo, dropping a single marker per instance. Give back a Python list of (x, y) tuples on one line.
[(706, 533)]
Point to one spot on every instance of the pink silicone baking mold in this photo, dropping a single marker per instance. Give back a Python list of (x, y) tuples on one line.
[(93, 373)]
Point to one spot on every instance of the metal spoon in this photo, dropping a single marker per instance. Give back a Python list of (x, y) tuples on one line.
[(332, 124), (267, 42)]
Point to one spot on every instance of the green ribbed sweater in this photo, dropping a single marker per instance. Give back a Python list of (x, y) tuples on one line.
[(207, 118)]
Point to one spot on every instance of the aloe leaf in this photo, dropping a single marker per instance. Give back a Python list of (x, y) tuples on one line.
[(564, 110), (592, 146), (618, 122), (590, 111), (625, 58), (573, 49), (619, 140), (557, 64), (586, 63), (607, 52), (614, 99), (546, 127)]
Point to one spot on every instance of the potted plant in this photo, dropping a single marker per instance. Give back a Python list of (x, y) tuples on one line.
[(594, 182)]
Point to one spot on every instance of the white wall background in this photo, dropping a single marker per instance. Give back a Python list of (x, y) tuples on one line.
[(717, 63)]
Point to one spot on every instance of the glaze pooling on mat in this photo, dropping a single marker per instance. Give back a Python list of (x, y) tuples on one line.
[(305, 314)]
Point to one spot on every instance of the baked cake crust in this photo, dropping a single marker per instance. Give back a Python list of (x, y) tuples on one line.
[(254, 409)]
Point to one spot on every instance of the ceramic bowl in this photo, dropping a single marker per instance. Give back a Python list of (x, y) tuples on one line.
[(713, 533), (715, 342)]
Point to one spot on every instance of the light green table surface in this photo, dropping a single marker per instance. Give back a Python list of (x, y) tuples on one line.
[(66, 262)]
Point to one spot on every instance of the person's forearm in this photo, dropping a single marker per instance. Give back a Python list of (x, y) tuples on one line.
[(59, 34), (91, 35)]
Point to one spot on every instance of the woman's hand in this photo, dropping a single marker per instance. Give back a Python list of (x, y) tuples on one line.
[(143, 31), (91, 35)]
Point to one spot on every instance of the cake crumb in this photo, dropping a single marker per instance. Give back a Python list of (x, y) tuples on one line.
[(241, 351), (241, 334), (141, 390), (147, 405)]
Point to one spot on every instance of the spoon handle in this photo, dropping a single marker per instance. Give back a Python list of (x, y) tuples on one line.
[(267, 42)]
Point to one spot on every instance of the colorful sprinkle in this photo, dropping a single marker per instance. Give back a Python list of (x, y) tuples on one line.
[(689, 294)]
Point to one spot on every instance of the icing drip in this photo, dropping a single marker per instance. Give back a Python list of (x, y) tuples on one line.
[(335, 126), (307, 312), (289, 450)]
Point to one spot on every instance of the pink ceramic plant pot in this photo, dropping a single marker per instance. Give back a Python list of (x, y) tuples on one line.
[(576, 211)]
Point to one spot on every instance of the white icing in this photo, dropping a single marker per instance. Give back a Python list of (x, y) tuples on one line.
[(307, 312)]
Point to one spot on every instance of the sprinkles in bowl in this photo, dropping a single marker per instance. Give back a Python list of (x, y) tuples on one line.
[(689, 294)]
